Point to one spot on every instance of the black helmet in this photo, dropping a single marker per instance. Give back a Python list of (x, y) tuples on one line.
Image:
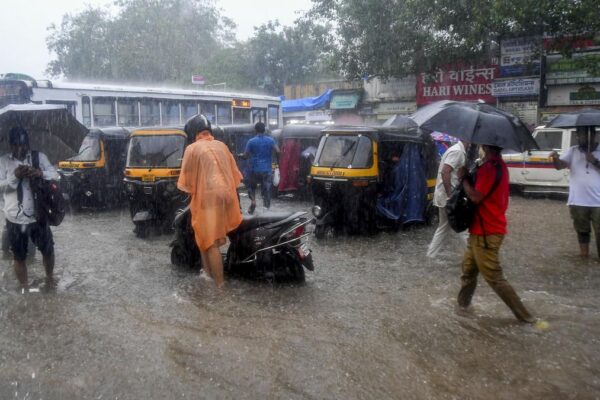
[(196, 124)]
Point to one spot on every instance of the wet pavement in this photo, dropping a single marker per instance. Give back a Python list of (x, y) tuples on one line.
[(376, 320)]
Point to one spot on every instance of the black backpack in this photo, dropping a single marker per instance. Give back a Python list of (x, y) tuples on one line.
[(47, 197), (461, 210)]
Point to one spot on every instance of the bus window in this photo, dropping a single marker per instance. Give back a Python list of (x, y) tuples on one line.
[(104, 111), (128, 112), (170, 113), (150, 112), (273, 116), (13, 92), (71, 105), (259, 115), (190, 109), (241, 116), (224, 113), (208, 109), (85, 111)]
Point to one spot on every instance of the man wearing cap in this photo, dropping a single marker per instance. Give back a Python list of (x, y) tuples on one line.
[(260, 150), (16, 173), (583, 161)]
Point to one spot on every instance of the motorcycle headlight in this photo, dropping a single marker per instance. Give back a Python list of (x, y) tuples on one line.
[(317, 211)]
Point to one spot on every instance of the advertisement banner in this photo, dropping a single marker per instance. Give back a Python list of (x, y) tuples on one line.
[(520, 57), (574, 95), (563, 71), (516, 87), (393, 89), (387, 109), (460, 83)]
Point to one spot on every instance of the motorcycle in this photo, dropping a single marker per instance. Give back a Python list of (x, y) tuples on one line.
[(269, 246)]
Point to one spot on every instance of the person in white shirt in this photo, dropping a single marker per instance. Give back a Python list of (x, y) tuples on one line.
[(16, 174), (584, 186), (453, 159)]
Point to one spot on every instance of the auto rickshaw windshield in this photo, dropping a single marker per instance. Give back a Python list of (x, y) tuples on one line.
[(344, 151), (89, 150), (156, 151)]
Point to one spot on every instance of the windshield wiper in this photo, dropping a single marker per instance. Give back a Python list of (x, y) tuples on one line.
[(344, 155)]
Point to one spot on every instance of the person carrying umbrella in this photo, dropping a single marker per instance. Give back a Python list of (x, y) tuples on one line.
[(16, 174), (583, 161), (494, 130)]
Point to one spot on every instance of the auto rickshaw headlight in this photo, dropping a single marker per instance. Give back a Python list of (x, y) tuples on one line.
[(171, 187), (317, 211)]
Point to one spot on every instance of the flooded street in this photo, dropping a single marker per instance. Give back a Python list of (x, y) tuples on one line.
[(376, 319)]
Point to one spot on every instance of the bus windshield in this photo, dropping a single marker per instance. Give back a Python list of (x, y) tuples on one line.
[(156, 151), (13, 92), (89, 150), (345, 151)]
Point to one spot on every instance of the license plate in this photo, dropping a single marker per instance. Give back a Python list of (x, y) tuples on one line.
[(327, 186), (148, 178), (147, 189), (303, 250)]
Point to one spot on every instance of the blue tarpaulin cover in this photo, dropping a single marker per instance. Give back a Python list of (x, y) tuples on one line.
[(406, 202), (307, 103)]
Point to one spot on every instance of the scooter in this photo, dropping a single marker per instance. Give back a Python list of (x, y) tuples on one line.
[(268, 246)]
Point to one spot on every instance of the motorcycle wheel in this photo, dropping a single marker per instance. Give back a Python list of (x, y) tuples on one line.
[(142, 231), (296, 271)]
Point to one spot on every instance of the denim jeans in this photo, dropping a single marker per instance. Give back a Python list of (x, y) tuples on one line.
[(265, 180)]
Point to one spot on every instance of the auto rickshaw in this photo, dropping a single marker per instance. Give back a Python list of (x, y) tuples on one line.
[(94, 177), (299, 143), (153, 165), (367, 178)]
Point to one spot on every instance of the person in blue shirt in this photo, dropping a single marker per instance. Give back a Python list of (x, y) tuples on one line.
[(260, 150)]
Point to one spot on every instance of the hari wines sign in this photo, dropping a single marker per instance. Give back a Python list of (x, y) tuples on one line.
[(460, 83)]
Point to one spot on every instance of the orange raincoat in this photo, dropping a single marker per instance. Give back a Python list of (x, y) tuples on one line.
[(209, 174)]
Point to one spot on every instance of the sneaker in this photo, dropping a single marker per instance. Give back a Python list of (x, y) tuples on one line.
[(251, 208)]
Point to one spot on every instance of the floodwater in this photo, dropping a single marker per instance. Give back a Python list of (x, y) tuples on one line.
[(376, 320)]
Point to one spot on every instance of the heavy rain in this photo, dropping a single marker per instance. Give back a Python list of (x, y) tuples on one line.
[(212, 199)]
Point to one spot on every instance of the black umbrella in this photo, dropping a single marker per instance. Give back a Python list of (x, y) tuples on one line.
[(400, 121), (476, 123), (52, 129), (588, 117)]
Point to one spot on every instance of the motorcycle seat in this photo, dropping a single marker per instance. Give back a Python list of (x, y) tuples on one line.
[(265, 219)]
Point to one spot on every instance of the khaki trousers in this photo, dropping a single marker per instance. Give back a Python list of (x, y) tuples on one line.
[(483, 259)]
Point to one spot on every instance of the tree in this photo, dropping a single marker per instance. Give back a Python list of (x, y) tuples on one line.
[(400, 37), (148, 40)]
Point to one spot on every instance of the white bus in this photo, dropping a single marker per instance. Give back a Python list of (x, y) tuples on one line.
[(97, 105)]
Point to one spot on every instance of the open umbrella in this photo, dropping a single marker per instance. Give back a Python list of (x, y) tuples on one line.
[(400, 121), (477, 123), (588, 117), (52, 129)]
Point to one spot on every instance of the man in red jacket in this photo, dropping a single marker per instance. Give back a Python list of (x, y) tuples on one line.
[(490, 193)]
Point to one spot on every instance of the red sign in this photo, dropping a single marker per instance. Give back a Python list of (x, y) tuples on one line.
[(459, 83), (197, 79)]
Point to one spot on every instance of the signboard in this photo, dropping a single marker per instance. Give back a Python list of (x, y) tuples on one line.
[(574, 95), (318, 116), (525, 110), (460, 83), (520, 57), (563, 71), (393, 89), (387, 109), (344, 101), (516, 87), (198, 80)]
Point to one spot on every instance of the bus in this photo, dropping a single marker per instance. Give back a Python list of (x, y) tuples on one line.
[(112, 105)]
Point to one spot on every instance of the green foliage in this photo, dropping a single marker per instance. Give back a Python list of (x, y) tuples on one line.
[(400, 37)]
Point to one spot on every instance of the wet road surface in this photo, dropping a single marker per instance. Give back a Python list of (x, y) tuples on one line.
[(376, 320)]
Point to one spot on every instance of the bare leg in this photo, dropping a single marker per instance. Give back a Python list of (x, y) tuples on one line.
[(216, 265), (205, 263), (584, 250), (49, 265), (21, 272)]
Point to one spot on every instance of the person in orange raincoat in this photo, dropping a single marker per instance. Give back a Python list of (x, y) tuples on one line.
[(210, 175)]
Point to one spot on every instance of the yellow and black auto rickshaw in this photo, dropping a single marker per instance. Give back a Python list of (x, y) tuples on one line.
[(365, 178), (151, 173), (94, 177)]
